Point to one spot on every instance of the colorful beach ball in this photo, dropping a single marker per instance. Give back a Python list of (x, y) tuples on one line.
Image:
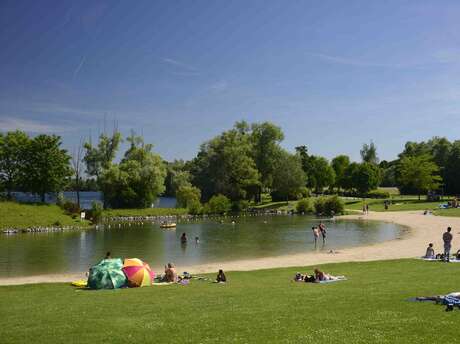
[(138, 273)]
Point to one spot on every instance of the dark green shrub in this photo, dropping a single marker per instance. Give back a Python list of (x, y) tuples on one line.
[(378, 194), (70, 207), (95, 213), (327, 206), (219, 205), (240, 206), (304, 206)]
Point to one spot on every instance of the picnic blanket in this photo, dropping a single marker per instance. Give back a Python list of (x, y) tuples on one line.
[(338, 279)]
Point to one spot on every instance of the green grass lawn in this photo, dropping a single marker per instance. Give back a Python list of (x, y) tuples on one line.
[(254, 307), (16, 215), (145, 212), (398, 204)]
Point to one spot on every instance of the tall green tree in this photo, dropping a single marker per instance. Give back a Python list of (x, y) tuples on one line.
[(339, 165), (369, 153), (139, 178), (46, 166), (12, 149), (288, 176), (452, 170), (225, 165), (265, 138), (100, 157), (418, 174), (365, 177), (321, 174)]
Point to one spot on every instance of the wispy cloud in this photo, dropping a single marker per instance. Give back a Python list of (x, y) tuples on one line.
[(219, 86), (353, 61), (77, 70), (27, 125)]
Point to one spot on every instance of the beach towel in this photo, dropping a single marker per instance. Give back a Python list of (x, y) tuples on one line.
[(338, 279), (452, 260), (158, 284)]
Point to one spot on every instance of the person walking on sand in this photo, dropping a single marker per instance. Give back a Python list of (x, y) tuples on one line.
[(447, 238)]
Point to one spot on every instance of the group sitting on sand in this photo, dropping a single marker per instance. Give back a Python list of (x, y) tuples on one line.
[(317, 277)]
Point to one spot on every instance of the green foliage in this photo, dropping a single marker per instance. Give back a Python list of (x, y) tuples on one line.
[(46, 166), (96, 212), (378, 194), (219, 204), (100, 157), (137, 181), (288, 177), (12, 154), (239, 206), (304, 206), (265, 138), (187, 195), (176, 177), (328, 206), (452, 168), (418, 174), (225, 165), (362, 177), (339, 164), (369, 153), (144, 212)]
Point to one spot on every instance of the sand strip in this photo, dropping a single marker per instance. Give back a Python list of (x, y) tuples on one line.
[(423, 229)]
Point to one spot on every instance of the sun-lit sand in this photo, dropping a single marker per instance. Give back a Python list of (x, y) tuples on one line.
[(422, 229)]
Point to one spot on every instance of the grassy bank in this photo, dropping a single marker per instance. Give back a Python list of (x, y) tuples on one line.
[(398, 204), (16, 215), (254, 307), (144, 212)]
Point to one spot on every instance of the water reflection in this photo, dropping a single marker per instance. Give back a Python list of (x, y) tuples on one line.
[(250, 237)]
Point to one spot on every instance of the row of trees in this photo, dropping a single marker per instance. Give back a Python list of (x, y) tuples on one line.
[(242, 164)]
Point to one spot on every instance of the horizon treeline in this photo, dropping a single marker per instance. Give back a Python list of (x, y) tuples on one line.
[(238, 166)]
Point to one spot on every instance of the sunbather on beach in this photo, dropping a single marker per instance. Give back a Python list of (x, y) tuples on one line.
[(430, 251), (221, 277), (322, 276), (170, 273)]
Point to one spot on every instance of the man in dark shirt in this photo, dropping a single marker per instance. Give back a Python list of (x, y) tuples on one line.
[(447, 238)]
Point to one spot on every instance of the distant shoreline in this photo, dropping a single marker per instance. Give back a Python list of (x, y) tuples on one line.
[(422, 230)]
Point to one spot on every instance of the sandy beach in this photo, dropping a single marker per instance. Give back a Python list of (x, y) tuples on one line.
[(422, 229)]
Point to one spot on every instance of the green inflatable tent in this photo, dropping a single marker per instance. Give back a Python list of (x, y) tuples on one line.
[(107, 274)]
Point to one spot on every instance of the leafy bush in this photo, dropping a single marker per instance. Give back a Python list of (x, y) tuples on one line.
[(186, 195), (194, 207), (219, 205), (95, 213), (378, 194), (304, 206), (239, 206), (70, 207), (328, 206)]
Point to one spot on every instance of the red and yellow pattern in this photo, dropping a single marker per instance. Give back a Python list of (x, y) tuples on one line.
[(139, 273)]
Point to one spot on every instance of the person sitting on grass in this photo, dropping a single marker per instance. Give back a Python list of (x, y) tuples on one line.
[(430, 251), (170, 273), (221, 277), (108, 255), (457, 255)]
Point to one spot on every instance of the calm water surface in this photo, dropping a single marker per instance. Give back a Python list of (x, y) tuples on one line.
[(251, 237)]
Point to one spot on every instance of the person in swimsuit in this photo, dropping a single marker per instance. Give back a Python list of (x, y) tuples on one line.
[(315, 233)]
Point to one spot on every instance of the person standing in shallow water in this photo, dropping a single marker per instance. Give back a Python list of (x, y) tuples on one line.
[(183, 238), (315, 233), (322, 228), (447, 238)]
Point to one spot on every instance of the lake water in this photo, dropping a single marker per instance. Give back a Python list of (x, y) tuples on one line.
[(250, 237), (86, 198)]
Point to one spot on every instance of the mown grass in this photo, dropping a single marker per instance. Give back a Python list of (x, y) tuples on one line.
[(254, 307), (16, 215), (397, 204), (144, 212)]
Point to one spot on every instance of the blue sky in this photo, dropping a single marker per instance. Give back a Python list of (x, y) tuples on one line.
[(332, 74)]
